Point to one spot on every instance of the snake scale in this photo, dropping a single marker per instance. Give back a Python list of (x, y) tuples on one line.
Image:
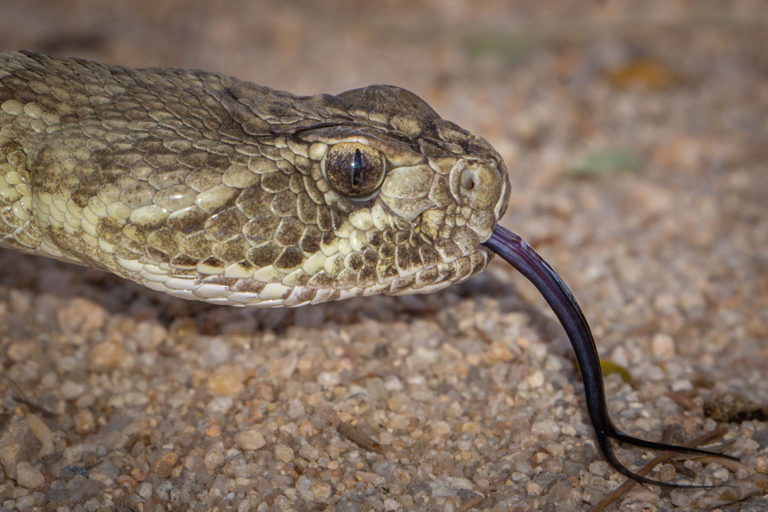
[(209, 187)]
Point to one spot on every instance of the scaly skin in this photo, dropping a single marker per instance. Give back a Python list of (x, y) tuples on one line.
[(208, 187)]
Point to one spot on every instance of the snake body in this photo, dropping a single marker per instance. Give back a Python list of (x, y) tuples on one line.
[(209, 187)]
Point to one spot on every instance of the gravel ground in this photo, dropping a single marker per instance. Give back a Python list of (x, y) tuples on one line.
[(636, 140)]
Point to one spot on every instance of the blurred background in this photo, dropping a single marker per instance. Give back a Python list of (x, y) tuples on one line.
[(635, 134)]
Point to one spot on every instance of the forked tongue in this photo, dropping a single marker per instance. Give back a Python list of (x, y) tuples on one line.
[(520, 255)]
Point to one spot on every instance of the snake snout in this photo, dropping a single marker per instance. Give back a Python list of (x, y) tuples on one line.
[(481, 190)]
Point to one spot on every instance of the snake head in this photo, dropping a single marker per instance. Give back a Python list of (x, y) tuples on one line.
[(386, 197), (414, 196)]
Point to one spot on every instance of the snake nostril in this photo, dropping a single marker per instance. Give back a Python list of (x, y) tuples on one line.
[(477, 185), (468, 181)]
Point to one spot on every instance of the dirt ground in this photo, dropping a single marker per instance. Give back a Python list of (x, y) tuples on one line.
[(637, 143)]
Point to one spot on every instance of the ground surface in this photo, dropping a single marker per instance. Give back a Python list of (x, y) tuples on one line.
[(637, 143)]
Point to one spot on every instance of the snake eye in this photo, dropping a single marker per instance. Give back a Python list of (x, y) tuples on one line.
[(354, 170)]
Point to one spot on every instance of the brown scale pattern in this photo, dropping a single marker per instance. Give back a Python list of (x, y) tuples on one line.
[(163, 173)]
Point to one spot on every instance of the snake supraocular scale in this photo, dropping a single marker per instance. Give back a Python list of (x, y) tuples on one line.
[(212, 188)]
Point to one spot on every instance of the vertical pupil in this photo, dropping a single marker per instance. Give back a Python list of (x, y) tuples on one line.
[(357, 167)]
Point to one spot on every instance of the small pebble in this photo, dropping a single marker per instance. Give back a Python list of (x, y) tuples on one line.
[(547, 428), (164, 464), (663, 346), (81, 316), (22, 350), (84, 422), (391, 505), (219, 405), (71, 390), (321, 490), (213, 459), (441, 429), (533, 488), (28, 475), (250, 440), (598, 468), (218, 352), (265, 390), (329, 379), (283, 452), (536, 379), (107, 356), (43, 434), (149, 335), (226, 380), (17, 444), (145, 490)]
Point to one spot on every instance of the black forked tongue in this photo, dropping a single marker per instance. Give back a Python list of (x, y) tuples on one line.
[(520, 255)]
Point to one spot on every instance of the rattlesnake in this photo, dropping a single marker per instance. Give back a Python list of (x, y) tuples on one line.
[(208, 187)]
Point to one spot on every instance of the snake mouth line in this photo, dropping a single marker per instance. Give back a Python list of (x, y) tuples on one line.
[(516, 251)]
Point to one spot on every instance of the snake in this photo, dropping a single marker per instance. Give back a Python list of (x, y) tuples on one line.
[(212, 188)]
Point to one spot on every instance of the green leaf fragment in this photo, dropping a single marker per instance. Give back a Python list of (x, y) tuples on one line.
[(606, 161), (609, 367)]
